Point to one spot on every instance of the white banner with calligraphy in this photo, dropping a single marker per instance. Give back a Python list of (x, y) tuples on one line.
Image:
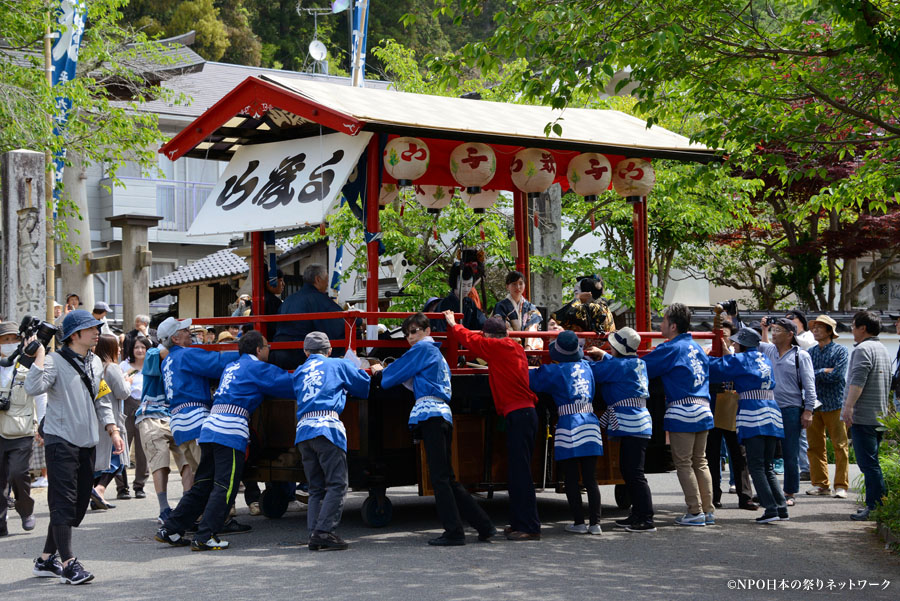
[(280, 185)]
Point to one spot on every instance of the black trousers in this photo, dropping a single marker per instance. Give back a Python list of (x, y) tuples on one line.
[(453, 502), (15, 457), (587, 466), (70, 475), (215, 487), (632, 452), (713, 458), (521, 431)]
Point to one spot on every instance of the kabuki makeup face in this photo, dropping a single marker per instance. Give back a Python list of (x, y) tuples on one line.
[(465, 287)]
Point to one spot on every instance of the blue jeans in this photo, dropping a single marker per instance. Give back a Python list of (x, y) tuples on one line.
[(803, 456), (866, 440), (790, 447)]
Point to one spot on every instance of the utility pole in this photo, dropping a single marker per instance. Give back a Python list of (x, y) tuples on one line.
[(49, 183)]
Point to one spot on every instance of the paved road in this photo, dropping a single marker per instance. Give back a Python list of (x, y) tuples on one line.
[(819, 542)]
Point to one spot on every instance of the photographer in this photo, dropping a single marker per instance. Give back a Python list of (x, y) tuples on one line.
[(16, 433), (71, 378)]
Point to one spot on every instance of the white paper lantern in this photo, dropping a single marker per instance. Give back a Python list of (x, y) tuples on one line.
[(480, 200), (473, 165), (406, 159), (589, 175), (533, 170), (388, 194), (633, 177), (434, 198)]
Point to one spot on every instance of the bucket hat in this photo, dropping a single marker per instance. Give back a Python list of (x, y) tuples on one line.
[(747, 338), (565, 348), (626, 341), (316, 341), (78, 320), (826, 321)]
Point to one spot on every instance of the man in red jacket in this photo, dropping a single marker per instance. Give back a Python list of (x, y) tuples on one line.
[(515, 401)]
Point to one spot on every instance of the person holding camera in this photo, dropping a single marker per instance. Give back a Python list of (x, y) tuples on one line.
[(17, 409), (71, 378)]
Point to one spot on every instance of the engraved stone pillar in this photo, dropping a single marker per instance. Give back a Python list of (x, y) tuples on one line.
[(23, 280), (72, 274)]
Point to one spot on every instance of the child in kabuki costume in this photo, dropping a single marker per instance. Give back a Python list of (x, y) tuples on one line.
[(321, 385), (578, 439), (424, 369), (624, 385), (759, 422), (223, 444)]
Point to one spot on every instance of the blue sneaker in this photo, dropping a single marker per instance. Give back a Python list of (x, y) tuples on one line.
[(779, 466), (710, 518)]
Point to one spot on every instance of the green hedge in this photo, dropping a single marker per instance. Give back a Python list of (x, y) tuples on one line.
[(889, 454)]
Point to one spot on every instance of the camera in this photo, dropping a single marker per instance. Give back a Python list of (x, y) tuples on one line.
[(30, 326), (730, 306)]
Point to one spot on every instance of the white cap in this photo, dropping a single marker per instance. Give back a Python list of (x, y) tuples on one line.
[(171, 325)]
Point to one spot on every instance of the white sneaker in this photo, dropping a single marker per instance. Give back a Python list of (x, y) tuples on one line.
[(732, 489), (577, 528), (295, 505), (840, 493), (688, 519), (254, 508), (595, 529), (39, 483)]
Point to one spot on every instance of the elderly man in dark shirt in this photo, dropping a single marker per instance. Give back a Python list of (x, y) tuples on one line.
[(311, 298)]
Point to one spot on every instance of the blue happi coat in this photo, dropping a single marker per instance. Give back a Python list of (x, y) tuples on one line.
[(684, 369), (153, 391), (426, 369), (572, 387), (625, 388), (186, 374), (240, 392), (753, 377), (321, 385)]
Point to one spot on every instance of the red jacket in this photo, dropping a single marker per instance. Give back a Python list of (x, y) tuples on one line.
[(507, 369)]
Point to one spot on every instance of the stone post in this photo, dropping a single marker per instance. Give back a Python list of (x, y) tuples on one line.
[(73, 277), (136, 261), (23, 275), (547, 242)]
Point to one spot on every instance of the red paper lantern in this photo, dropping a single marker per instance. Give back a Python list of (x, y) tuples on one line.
[(406, 159), (473, 165), (589, 175), (533, 170)]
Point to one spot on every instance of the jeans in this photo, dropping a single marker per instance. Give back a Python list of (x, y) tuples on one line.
[(325, 466), (521, 431), (215, 487), (790, 416), (761, 461), (454, 503), (632, 451), (802, 458), (866, 440)]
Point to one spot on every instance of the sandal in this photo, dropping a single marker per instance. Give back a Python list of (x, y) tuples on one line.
[(789, 501)]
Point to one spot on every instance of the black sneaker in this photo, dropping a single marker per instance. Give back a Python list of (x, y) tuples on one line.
[(123, 495), (447, 541), (48, 568), (140, 494), (641, 527), (767, 518), (487, 535), (74, 573), (232, 526), (213, 544), (4, 529), (625, 523), (326, 541), (783, 515), (175, 539)]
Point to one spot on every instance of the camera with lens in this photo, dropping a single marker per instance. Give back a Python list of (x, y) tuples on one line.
[(30, 326), (730, 306)]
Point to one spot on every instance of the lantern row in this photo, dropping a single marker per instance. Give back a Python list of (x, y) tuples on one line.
[(533, 170)]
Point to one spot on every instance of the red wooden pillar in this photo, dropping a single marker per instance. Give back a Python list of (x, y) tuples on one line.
[(520, 225), (641, 263), (258, 277), (373, 226)]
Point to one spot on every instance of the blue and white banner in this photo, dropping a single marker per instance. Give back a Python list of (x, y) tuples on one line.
[(360, 35), (64, 59)]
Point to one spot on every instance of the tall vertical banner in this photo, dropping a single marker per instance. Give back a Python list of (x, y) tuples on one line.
[(64, 59), (360, 34)]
